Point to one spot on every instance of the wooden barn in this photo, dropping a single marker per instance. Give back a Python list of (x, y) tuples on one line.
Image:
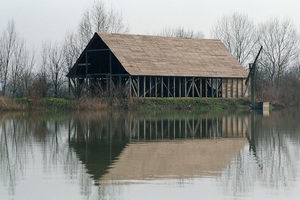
[(126, 65)]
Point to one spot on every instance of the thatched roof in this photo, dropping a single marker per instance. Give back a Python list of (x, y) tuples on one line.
[(170, 56)]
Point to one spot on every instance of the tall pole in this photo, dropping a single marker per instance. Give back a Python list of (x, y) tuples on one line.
[(110, 80), (252, 82), (251, 76)]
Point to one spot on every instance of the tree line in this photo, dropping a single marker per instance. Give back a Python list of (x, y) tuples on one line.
[(23, 73)]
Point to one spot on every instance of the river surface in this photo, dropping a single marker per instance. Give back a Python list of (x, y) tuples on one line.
[(119, 155)]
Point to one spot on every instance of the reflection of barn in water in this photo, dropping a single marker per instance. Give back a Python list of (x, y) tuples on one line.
[(105, 141)]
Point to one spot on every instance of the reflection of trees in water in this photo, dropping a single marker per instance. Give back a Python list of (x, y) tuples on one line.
[(23, 138), (14, 153), (272, 157), (87, 145)]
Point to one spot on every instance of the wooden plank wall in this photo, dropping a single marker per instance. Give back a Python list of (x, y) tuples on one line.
[(234, 88)]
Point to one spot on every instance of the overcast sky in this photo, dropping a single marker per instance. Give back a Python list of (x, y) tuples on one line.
[(43, 20)]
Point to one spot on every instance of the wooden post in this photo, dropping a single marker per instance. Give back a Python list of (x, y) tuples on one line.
[(205, 87), (252, 82), (212, 86), (110, 79), (144, 87), (217, 88), (107, 84), (150, 88), (86, 64), (242, 89), (138, 86), (185, 87), (174, 83), (130, 85), (200, 88), (155, 86), (237, 88), (232, 84), (193, 87), (180, 86), (162, 86)]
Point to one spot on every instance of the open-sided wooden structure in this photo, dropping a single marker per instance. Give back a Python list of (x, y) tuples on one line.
[(155, 66)]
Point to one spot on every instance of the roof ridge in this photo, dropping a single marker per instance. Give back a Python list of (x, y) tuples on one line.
[(160, 36)]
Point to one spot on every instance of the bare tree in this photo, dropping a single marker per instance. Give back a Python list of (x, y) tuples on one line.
[(281, 47), (7, 48), (237, 33), (100, 19), (53, 64), (295, 69), (27, 76), (18, 65), (180, 31), (71, 50)]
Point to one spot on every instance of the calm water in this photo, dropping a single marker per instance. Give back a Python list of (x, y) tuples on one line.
[(153, 156)]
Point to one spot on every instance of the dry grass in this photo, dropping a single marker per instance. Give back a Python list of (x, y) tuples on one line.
[(10, 105), (94, 104)]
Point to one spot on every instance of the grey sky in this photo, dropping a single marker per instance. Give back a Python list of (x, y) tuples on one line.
[(44, 20)]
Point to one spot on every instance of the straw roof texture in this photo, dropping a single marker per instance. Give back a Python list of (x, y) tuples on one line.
[(170, 56)]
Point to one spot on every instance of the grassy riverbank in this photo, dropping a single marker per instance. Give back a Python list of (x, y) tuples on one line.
[(146, 104), (195, 104)]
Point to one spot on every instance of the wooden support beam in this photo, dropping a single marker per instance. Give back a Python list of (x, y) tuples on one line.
[(197, 89), (217, 87), (155, 86), (110, 79), (242, 87), (212, 87), (232, 83), (200, 87), (107, 84), (144, 87), (95, 50), (185, 88), (179, 88), (150, 87), (86, 64), (130, 85), (162, 86), (138, 86), (193, 87), (174, 85), (168, 87), (168, 91), (205, 88), (190, 87), (237, 88)]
